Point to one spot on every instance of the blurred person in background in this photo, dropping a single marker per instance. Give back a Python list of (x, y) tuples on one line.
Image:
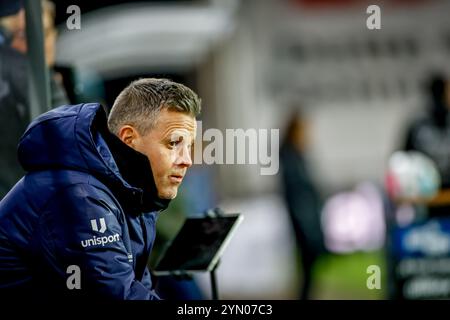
[(14, 110), (302, 198), (430, 134), (14, 28)]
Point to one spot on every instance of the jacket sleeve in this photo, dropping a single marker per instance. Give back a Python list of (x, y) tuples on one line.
[(81, 226)]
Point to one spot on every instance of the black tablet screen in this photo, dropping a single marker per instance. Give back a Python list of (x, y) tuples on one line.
[(198, 244)]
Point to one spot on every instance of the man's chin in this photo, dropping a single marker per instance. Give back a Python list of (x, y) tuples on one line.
[(168, 195)]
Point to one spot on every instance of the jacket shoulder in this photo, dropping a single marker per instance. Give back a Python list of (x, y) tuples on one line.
[(81, 193)]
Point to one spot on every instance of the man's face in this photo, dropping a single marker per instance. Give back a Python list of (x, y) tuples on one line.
[(16, 25), (168, 147)]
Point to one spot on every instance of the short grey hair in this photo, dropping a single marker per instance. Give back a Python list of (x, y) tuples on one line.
[(142, 100)]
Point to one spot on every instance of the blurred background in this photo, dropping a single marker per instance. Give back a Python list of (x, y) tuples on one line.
[(344, 98)]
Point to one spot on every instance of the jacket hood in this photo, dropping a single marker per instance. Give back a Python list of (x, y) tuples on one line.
[(76, 137)]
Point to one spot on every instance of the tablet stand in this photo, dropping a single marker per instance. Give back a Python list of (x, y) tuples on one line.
[(214, 291)]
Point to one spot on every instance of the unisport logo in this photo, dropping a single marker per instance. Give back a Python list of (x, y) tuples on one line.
[(95, 241)]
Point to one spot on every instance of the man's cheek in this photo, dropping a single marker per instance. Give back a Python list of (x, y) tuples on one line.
[(172, 157)]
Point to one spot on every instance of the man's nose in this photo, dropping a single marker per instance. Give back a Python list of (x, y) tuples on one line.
[(184, 158)]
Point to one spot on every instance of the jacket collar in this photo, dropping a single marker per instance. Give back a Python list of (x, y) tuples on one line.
[(135, 168)]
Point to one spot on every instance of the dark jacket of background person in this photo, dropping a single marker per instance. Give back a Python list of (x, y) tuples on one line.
[(14, 114), (77, 175), (431, 133), (303, 201)]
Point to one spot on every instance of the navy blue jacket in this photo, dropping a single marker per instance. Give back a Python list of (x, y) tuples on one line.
[(88, 202)]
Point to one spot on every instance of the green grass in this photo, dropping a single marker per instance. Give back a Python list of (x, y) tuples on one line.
[(345, 276)]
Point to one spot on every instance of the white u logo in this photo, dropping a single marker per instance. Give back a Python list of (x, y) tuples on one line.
[(102, 225)]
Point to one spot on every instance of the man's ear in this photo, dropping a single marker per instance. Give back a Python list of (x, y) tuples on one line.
[(129, 136)]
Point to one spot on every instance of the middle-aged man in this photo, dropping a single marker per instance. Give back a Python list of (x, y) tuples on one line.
[(81, 222)]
